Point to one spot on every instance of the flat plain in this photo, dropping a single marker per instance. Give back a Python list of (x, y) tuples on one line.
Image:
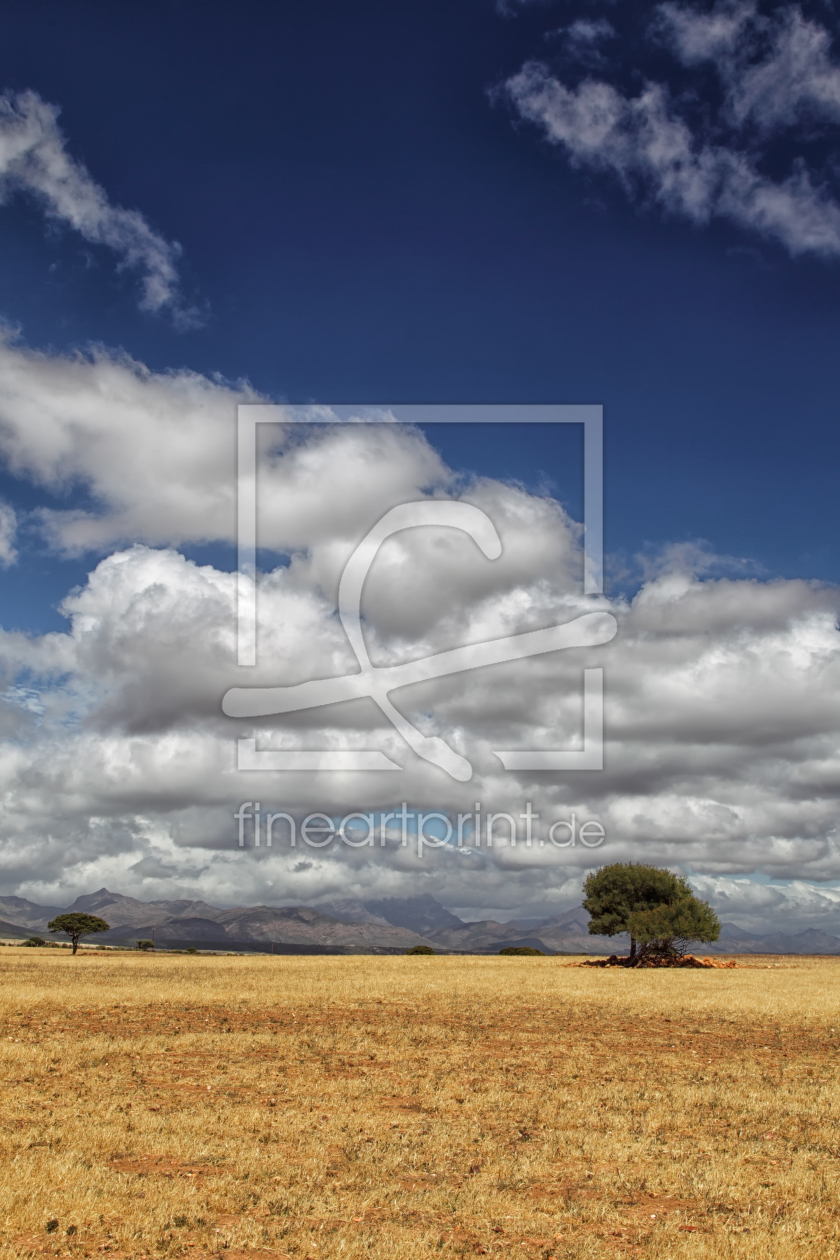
[(404, 1107)]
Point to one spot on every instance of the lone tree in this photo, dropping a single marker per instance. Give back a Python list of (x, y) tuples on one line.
[(656, 907), (76, 926)]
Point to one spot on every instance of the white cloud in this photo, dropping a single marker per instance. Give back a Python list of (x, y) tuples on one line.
[(8, 530), (590, 30), (34, 160), (762, 907), (156, 453), (583, 38), (776, 73), (797, 80), (700, 35), (653, 152)]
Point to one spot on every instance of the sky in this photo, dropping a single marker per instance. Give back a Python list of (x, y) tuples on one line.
[(453, 201)]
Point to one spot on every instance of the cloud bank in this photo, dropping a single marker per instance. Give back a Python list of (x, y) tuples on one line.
[(700, 160), (117, 765), (34, 160)]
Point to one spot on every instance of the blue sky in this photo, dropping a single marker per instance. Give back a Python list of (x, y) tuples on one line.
[(362, 219), (462, 201)]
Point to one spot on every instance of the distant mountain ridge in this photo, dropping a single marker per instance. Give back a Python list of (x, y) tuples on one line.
[(384, 924), (27, 914)]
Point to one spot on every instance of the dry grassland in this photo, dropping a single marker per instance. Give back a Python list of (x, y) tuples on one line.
[(406, 1107)]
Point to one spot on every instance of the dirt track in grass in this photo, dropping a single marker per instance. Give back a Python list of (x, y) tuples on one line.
[(406, 1107)]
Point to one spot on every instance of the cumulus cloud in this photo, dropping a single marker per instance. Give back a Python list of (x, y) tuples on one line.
[(723, 727), (763, 907), (34, 160), (776, 73), (155, 453)]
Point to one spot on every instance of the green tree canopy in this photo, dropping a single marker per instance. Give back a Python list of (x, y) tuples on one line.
[(617, 897), (670, 929), (76, 926)]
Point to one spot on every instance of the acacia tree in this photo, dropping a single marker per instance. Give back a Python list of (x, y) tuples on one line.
[(76, 926), (617, 897)]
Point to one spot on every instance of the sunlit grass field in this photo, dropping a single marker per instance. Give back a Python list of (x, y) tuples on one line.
[(400, 1107)]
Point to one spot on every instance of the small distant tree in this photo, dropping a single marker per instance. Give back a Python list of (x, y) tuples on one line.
[(145, 944), (616, 893), (667, 931), (76, 926), (35, 940), (420, 949), (522, 951)]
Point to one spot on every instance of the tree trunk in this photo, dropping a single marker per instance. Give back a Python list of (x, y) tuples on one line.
[(75, 943), (632, 947)]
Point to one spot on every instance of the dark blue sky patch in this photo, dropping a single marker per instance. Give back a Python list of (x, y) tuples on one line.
[(363, 222)]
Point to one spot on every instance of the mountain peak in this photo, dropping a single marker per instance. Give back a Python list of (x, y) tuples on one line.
[(421, 913)]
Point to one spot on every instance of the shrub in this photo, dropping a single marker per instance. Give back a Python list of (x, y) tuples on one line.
[(420, 949), (145, 944), (522, 951), (34, 940)]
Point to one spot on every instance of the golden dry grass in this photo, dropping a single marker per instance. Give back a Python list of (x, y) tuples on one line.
[(409, 1107)]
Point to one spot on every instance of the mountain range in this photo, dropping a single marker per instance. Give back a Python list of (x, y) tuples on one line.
[(352, 925)]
